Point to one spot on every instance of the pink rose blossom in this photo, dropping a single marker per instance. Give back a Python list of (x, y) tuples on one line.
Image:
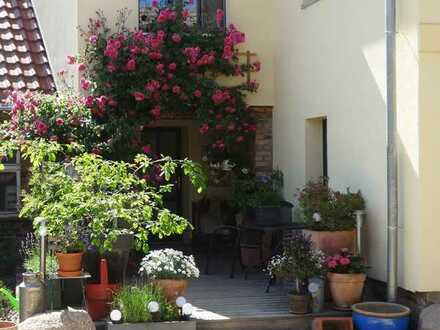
[(131, 65), (152, 85), (85, 84), (204, 128), (82, 67), (88, 101), (59, 121), (198, 93), (172, 66), (111, 67), (138, 96), (40, 127), (240, 139), (71, 59)]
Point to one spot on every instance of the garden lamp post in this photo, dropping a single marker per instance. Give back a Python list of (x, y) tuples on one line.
[(43, 246)]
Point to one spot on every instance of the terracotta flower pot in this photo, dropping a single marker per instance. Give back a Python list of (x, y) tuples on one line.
[(172, 288), (4, 325), (299, 303), (346, 289), (69, 263), (331, 242)]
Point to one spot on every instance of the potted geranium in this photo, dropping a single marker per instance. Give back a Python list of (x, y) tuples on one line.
[(260, 199), (170, 270), (346, 277), (330, 216), (298, 263)]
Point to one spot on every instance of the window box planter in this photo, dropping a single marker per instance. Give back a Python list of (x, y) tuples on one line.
[(270, 215), (178, 325)]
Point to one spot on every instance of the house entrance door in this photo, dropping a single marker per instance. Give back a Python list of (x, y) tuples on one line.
[(167, 141)]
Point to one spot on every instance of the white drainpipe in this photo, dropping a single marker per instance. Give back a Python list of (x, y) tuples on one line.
[(392, 152)]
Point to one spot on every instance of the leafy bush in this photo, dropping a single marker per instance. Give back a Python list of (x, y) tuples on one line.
[(257, 191), (84, 200), (133, 302), (168, 264), (327, 210)]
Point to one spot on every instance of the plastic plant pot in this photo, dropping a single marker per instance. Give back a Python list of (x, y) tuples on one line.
[(381, 316)]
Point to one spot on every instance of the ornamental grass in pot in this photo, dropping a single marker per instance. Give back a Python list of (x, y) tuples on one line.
[(346, 277), (330, 216), (298, 263), (170, 270)]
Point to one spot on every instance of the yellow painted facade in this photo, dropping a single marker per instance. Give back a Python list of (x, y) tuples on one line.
[(328, 60)]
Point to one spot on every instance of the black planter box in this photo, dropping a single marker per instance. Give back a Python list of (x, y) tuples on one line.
[(270, 215)]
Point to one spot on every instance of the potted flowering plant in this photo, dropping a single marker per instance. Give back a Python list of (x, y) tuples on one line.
[(330, 216), (170, 270), (260, 198), (346, 277), (298, 263)]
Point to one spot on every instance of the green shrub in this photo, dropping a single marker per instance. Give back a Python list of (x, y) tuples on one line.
[(327, 210), (133, 302)]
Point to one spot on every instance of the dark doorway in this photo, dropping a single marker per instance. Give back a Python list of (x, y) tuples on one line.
[(167, 141)]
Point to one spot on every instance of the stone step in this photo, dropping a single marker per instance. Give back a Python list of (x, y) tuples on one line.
[(282, 322)]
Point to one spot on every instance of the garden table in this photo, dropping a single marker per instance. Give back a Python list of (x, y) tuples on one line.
[(82, 278)]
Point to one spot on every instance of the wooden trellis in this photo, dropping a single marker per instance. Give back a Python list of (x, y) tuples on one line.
[(249, 55)]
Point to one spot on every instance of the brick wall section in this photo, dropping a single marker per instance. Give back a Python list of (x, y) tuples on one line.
[(263, 147)]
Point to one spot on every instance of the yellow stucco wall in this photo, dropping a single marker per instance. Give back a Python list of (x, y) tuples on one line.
[(429, 60), (255, 18)]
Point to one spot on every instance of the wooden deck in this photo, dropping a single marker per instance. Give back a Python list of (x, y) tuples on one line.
[(218, 297)]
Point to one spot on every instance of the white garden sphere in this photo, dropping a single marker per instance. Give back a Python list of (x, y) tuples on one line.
[(115, 315), (153, 307), (180, 302)]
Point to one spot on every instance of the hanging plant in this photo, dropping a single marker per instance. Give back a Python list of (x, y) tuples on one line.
[(132, 77)]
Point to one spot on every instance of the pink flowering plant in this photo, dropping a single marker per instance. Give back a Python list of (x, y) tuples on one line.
[(60, 118), (132, 78), (346, 263)]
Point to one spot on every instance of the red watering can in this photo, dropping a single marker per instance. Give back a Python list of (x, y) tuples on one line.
[(100, 296)]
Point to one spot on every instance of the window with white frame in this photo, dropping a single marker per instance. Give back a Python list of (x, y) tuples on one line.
[(201, 11), (10, 182)]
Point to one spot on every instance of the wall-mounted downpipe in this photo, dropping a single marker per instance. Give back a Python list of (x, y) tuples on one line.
[(392, 152)]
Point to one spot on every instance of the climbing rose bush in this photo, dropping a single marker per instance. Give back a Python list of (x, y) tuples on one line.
[(132, 78), (57, 118)]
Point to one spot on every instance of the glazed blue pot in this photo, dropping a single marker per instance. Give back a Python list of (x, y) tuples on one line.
[(380, 316)]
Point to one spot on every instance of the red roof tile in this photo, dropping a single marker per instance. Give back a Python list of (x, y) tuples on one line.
[(23, 59)]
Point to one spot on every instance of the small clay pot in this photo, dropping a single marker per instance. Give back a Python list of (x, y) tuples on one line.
[(172, 289), (346, 289), (5, 325), (332, 242), (299, 303), (70, 264)]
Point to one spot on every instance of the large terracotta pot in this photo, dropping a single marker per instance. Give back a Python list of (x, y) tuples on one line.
[(331, 242), (172, 288), (346, 289), (70, 264), (4, 325)]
